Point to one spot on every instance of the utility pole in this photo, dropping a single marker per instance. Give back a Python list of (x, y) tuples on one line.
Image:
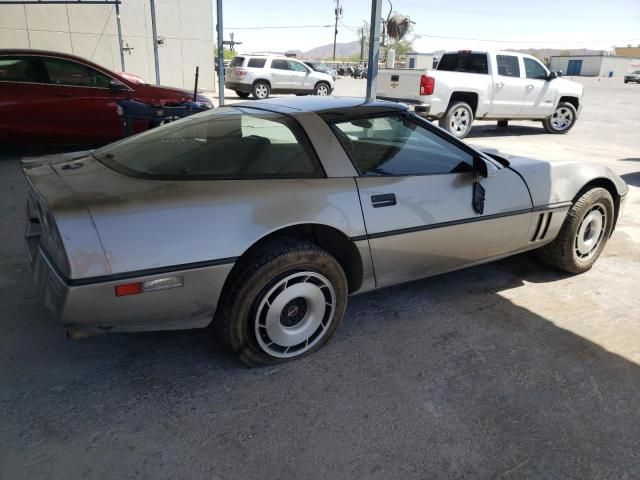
[(220, 59), (361, 44), (120, 37), (154, 31), (338, 12), (374, 48)]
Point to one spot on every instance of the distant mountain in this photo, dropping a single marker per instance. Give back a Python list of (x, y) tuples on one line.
[(326, 51)]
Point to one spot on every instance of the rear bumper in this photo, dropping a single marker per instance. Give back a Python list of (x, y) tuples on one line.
[(420, 108), (90, 308), (241, 87)]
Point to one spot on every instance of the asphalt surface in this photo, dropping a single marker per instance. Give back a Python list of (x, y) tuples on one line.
[(508, 370)]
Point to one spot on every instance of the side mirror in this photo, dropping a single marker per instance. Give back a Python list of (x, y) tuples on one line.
[(117, 86), (480, 167), (554, 74)]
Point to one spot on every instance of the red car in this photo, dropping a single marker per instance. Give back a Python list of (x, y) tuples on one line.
[(50, 97)]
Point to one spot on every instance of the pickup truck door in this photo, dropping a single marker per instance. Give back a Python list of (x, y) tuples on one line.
[(540, 92), (416, 189), (508, 87)]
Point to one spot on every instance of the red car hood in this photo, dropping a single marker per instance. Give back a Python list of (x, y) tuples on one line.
[(160, 95)]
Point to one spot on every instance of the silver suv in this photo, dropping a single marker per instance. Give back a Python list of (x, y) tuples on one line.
[(261, 75)]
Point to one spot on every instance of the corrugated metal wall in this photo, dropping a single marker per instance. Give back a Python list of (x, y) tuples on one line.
[(90, 31)]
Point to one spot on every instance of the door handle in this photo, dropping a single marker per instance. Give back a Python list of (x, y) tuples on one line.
[(500, 84), (384, 200), (530, 86)]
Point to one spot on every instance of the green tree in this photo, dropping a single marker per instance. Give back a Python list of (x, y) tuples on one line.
[(226, 53)]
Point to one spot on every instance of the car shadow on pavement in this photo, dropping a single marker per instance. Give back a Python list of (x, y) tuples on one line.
[(438, 378), (480, 131)]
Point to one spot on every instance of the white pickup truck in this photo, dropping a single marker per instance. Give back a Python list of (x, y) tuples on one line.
[(485, 85)]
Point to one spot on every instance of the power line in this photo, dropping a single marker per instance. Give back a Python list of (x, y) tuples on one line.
[(280, 27), (628, 40)]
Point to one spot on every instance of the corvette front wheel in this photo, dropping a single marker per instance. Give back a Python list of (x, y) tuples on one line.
[(584, 233)]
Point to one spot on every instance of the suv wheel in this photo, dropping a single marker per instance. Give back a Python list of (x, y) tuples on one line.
[(260, 90), (322, 89)]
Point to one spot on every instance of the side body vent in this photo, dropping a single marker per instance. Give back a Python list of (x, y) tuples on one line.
[(544, 219)]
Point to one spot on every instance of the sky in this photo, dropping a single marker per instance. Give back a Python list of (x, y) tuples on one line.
[(438, 25)]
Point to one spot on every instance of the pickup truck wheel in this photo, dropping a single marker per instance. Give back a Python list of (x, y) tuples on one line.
[(457, 119), (260, 90), (242, 94), (284, 302), (583, 235), (562, 120)]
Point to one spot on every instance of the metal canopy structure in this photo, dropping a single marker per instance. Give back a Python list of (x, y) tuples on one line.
[(373, 55), (78, 2)]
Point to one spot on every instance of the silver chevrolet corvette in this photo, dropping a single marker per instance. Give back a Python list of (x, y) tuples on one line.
[(263, 217)]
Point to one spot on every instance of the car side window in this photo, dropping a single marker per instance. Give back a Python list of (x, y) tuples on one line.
[(68, 72), (534, 69), (256, 62), (508, 65), (280, 64), (227, 143), (20, 69), (396, 145), (297, 67)]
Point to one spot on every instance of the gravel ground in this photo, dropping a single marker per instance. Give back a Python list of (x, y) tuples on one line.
[(508, 370)]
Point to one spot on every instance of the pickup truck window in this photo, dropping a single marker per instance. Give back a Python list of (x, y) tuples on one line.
[(534, 69), (395, 145), (464, 62), (508, 65)]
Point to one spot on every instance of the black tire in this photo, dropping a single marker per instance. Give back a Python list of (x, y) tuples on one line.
[(554, 123), (260, 90), (626, 81), (249, 301), (322, 89), (563, 252), (458, 119), (503, 123), (242, 94)]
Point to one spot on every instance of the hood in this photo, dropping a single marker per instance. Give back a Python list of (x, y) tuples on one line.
[(568, 87), (557, 181), (158, 95)]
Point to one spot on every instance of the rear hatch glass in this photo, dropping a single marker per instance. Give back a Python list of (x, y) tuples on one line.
[(237, 62)]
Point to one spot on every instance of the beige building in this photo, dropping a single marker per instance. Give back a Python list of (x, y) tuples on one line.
[(633, 52), (594, 65), (185, 28)]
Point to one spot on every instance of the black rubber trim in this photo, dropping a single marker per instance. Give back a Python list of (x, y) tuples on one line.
[(139, 273), (479, 218)]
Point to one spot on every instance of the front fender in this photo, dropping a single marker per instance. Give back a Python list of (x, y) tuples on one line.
[(557, 182)]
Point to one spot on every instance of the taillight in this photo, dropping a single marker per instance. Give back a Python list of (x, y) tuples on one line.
[(135, 288), (427, 84), (241, 73)]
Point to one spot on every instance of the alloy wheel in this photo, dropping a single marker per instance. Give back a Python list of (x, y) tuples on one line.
[(294, 314)]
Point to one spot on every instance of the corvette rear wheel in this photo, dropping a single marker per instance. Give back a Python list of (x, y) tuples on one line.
[(284, 302), (584, 233)]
